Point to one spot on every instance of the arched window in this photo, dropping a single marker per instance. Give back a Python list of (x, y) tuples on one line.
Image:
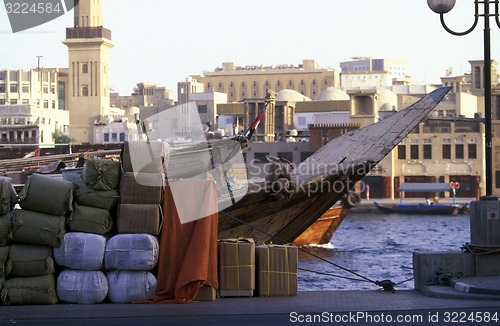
[(85, 91)]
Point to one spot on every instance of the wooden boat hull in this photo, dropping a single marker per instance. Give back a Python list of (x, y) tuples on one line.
[(259, 217), (322, 179), (419, 209), (323, 229)]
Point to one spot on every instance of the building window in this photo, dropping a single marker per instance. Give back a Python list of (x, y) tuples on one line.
[(304, 155), (286, 155), (414, 152), (446, 151), (45, 89), (106, 137), (260, 157), (401, 152), (497, 177), (114, 137), (53, 104), (2, 88), (53, 89), (85, 91), (459, 150), (13, 101), (427, 152), (45, 104), (202, 109), (122, 136), (472, 153), (13, 88), (85, 68), (25, 88)]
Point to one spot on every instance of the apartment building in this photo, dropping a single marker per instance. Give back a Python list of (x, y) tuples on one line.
[(242, 82)]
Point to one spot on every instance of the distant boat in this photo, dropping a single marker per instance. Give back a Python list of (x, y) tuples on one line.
[(427, 208)]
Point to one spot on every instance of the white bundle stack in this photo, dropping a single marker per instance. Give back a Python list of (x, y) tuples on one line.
[(131, 252), (84, 287), (130, 286), (83, 256), (129, 258), (81, 251)]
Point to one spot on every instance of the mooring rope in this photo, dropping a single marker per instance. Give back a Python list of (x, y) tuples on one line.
[(363, 278)]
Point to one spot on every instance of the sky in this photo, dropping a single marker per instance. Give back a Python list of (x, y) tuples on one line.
[(165, 41)]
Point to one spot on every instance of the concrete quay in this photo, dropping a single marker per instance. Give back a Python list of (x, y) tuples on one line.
[(407, 307)]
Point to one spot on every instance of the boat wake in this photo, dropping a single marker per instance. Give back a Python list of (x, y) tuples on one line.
[(322, 246)]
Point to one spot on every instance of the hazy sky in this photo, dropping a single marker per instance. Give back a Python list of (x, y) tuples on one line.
[(164, 41)]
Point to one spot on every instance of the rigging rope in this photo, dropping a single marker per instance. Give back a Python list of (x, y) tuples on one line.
[(364, 278)]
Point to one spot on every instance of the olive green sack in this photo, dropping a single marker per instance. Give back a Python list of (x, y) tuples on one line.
[(37, 228), (29, 260), (39, 290), (90, 219), (105, 199), (47, 195), (101, 174)]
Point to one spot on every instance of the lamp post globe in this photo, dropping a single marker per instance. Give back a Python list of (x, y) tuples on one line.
[(441, 6)]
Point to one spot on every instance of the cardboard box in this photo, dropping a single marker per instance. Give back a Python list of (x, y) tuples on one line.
[(236, 267), (206, 293), (142, 188), (139, 218), (144, 156), (277, 268)]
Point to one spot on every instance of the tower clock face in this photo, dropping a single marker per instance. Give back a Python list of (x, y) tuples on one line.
[(26, 14)]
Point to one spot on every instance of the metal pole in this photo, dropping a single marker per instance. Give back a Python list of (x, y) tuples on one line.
[(487, 100)]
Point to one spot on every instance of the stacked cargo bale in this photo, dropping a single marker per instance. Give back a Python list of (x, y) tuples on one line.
[(133, 253), (36, 227), (8, 199), (96, 201), (129, 258), (141, 188), (82, 256)]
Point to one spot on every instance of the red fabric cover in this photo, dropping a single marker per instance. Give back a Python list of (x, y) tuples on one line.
[(188, 252)]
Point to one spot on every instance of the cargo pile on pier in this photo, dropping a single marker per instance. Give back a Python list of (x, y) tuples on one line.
[(96, 238)]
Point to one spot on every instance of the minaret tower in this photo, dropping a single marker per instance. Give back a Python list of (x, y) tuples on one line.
[(87, 91)]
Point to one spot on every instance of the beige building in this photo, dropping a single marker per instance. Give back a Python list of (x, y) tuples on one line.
[(367, 72), (32, 106), (144, 95), (87, 91), (246, 82)]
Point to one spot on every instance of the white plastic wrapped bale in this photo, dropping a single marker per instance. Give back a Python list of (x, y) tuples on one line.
[(132, 252), (130, 286), (81, 251), (85, 287)]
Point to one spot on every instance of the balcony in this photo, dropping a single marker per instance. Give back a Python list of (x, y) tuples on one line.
[(88, 32)]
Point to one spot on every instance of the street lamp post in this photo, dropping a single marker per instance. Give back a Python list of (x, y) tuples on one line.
[(442, 7)]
